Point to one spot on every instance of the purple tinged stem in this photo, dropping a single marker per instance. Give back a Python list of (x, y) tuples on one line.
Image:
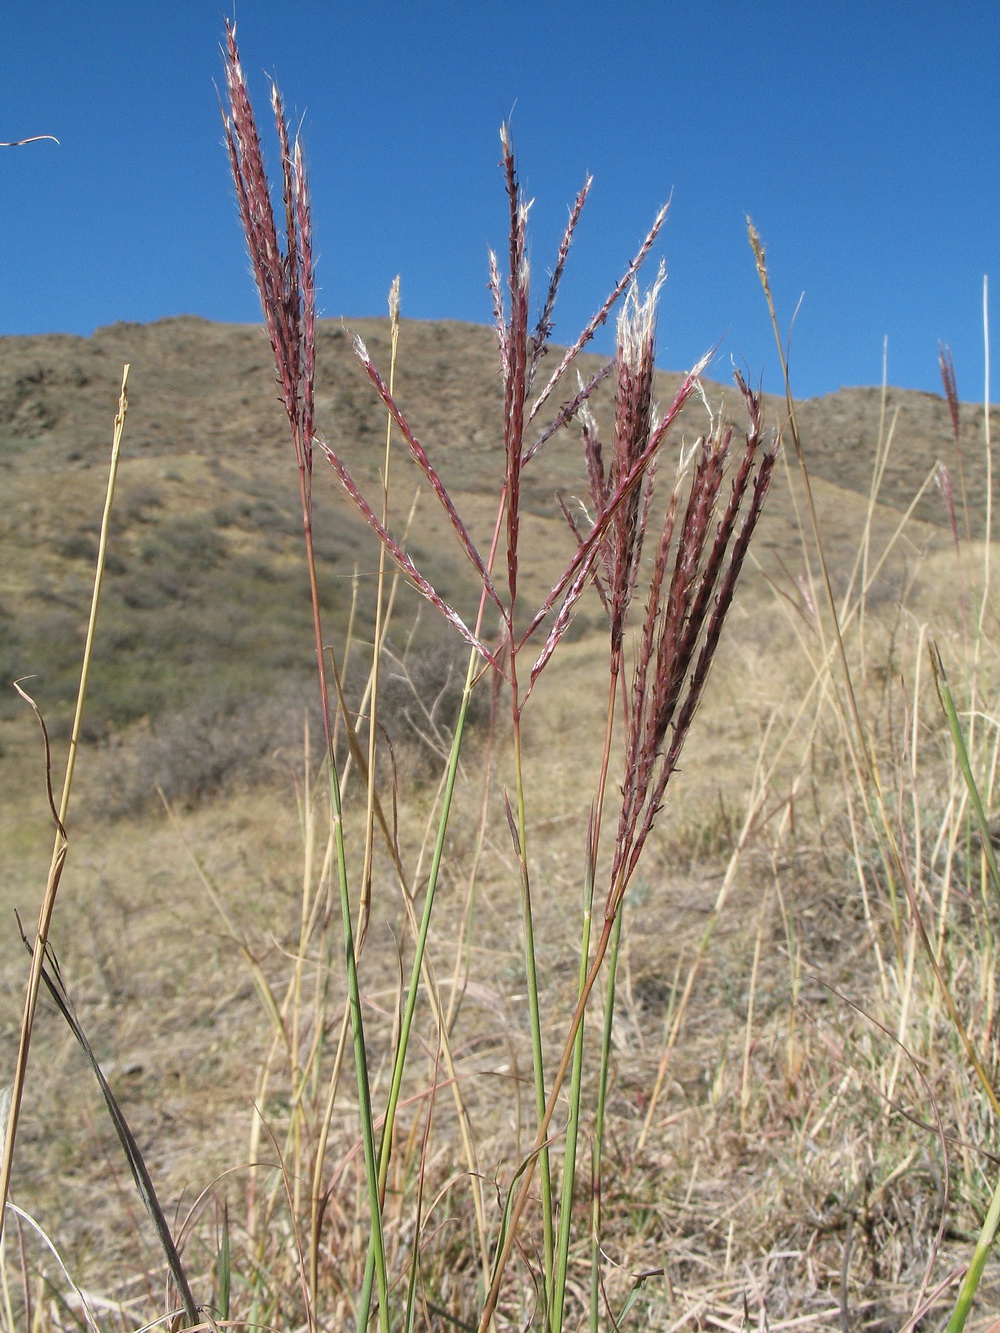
[(561, 623), (399, 556), (419, 455), (304, 223), (570, 410), (587, 551), (670, 638), (950, 383), (710, 643)]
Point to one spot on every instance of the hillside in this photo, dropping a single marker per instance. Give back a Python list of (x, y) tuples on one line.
[(207, 519), (205, 607), (205, 389)]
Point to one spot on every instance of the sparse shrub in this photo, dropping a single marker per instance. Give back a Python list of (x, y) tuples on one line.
[(421, 695), (420, 698), (190, 545), (78, 546), (267, 515), (200, 752), (232, 512), (137, 502), (224, 742), (149, 589)]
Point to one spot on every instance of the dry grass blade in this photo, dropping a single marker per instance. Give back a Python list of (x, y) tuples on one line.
[(137, 1165), (286, 282), (33, 138)]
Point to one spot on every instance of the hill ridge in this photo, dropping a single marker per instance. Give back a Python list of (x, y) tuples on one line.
[(209, 387)]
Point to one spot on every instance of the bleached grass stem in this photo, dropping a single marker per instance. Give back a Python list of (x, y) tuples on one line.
[(381, 626), (988, 452), (60, 844), (84, 1303)]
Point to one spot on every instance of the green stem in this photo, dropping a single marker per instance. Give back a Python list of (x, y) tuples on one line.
[(515, 1210), (576, 1077), (399, 1062), (385, 1149), (377, 1243), (602, 1098), (534, 1013), (965, 764), (573, 1123), (974, 1272)]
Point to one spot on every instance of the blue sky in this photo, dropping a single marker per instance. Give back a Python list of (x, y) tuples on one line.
[(863, 140)]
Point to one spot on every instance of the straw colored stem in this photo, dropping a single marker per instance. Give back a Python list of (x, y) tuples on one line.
[(60, 844)]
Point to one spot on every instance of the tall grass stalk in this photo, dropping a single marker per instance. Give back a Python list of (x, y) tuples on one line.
[(60, 845), (382, 616), (286, 282), (862, 755), (514, 345), (678, 637), (987, 1235), (412, 991), (988, 453)]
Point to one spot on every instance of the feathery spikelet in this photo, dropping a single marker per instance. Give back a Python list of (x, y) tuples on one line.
[(683, 622), (284, 274)]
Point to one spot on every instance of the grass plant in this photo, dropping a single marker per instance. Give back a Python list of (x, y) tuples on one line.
[(689, 593), (898, 843)]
